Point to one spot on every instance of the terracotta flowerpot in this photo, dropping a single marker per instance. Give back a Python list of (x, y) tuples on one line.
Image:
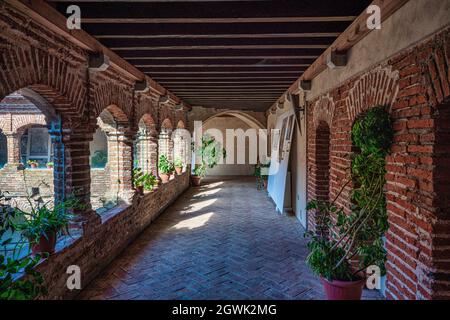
[(343, 290), (33, 166), (178, 170), (164, 177), (140, 190), (196, 180), (45, 245), (49, 167)]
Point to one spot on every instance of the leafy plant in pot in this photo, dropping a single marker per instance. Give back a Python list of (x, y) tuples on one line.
[(33, 163), (18, 278), (165, 168), (143, 181), (43, 223), (199, 174), (210, 153), (179, 164), (355, 240)]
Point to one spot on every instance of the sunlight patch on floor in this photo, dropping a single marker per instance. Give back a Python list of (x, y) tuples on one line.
[(195, 222), (197, 206), (207, 192), (213, 185)]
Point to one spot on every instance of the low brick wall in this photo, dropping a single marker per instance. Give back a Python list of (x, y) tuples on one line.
[(118, 228), (16, 182)]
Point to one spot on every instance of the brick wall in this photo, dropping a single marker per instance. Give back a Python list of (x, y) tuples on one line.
[(56, 72), (108, 239), (415, 84)]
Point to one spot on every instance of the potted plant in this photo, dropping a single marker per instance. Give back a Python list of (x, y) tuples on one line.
[(14, 263), (346, 244), (150, 182), (33, 163), (178, 163), (50, 165), (165, 168), (198, 174), (138, 180), (143, 181), (43, 223), (210, 153)]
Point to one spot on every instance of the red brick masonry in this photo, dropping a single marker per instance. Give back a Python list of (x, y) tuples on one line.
[(415, 85)]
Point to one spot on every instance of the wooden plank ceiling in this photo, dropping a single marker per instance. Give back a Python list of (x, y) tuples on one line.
[(228, 54)]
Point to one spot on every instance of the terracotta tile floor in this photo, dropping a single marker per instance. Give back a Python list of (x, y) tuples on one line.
[(223, 240)]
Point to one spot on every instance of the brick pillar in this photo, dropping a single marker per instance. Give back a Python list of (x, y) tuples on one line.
[(120, 163), (166, 144), (180, 148), (13, 148), (72, 170), (153, 155), (147, 152)]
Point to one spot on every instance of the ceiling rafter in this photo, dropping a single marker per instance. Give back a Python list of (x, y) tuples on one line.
[(236, 54)]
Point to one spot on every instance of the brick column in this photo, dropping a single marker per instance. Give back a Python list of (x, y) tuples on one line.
[(72, 170), (180, 148), (153, 155), (165, 144), (120, 163), (148, 152), (13, 148)]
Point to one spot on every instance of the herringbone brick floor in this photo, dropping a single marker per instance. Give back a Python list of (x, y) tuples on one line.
[(223, 240)]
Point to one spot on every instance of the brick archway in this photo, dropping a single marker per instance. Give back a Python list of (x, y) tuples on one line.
[(116, 125), (113, 97), (53, 79)]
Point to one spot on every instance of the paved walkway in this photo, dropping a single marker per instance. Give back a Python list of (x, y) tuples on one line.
[(223, 240)]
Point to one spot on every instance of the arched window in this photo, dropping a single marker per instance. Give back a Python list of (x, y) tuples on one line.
[(111, 161), (31, 151)]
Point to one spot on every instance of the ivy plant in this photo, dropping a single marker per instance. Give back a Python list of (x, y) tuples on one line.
[(356, 236)]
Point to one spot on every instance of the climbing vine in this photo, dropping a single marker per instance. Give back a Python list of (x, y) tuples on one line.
[(372, 134), (357, 235)]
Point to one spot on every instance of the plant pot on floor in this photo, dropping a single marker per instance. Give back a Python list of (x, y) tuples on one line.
[(45, 244), (196, 180), (164, 177), (343, 290), (178, 170)]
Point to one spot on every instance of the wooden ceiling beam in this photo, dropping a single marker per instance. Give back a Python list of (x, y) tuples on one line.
[(230, 46), (228, 86), (44, 14), (231, 20), (243, 79), (216, 83), (275, 57), (351, 36), (223, 36), (222, 72), (220, 65)]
